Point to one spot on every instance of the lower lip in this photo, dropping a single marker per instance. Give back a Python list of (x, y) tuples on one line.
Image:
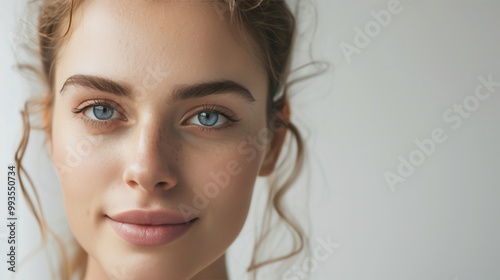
[(149, 235)]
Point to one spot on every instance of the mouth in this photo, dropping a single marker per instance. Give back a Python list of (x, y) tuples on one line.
[(149, 228)]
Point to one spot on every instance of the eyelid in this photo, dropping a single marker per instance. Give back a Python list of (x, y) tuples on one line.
[(221, 117), (229, 115), (79, 112), (96, 102)]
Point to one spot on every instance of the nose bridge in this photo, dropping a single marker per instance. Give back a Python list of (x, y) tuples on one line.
[(148, 163), (149, 140)]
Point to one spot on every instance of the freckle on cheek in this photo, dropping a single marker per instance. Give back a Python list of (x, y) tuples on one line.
[(178, 149)]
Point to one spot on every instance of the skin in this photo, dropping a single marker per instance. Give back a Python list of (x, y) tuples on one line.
[(151, 155)]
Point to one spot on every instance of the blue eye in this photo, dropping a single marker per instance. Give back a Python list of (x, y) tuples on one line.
[(208, 118), (101, 112)]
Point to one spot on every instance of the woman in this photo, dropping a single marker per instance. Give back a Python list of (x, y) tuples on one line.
[(159, 117)]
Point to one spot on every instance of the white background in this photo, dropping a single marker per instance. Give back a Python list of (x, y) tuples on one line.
[(441, 223)]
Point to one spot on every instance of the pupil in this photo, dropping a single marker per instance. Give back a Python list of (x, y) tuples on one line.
[(102, 112), (208, 118)]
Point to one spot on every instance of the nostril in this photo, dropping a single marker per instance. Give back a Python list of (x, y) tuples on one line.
[(150, 178), (161, 184), (132, 183)]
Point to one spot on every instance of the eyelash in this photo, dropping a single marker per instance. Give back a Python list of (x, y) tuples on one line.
[(105, 123), (92, 103), (219, 110)]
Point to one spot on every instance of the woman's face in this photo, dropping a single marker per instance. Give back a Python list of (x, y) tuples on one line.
[(159, 119)]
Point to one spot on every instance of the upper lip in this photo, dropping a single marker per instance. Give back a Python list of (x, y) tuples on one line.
[(145, 217)]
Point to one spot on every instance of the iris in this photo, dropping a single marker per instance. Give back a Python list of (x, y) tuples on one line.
[(103, 112), (208, 118)]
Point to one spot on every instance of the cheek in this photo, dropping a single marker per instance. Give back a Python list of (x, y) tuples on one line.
[(78, 162), (219, 184), (80, 157), (222, 187)]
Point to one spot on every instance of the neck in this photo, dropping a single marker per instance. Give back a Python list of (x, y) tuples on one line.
[(215, 271)]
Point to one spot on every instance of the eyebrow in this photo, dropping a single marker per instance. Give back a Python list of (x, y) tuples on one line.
[(181, 92)]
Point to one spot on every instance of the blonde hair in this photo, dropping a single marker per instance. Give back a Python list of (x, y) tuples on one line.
[(270, 27)]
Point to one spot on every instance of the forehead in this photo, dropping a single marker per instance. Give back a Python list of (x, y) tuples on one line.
[(184, 40)]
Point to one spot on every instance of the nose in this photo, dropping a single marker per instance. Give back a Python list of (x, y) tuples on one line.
[(148, 160)]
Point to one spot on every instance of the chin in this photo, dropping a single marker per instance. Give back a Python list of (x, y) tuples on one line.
[(149, 268)]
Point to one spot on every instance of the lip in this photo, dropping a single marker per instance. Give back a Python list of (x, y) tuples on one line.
[(149, 228)]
